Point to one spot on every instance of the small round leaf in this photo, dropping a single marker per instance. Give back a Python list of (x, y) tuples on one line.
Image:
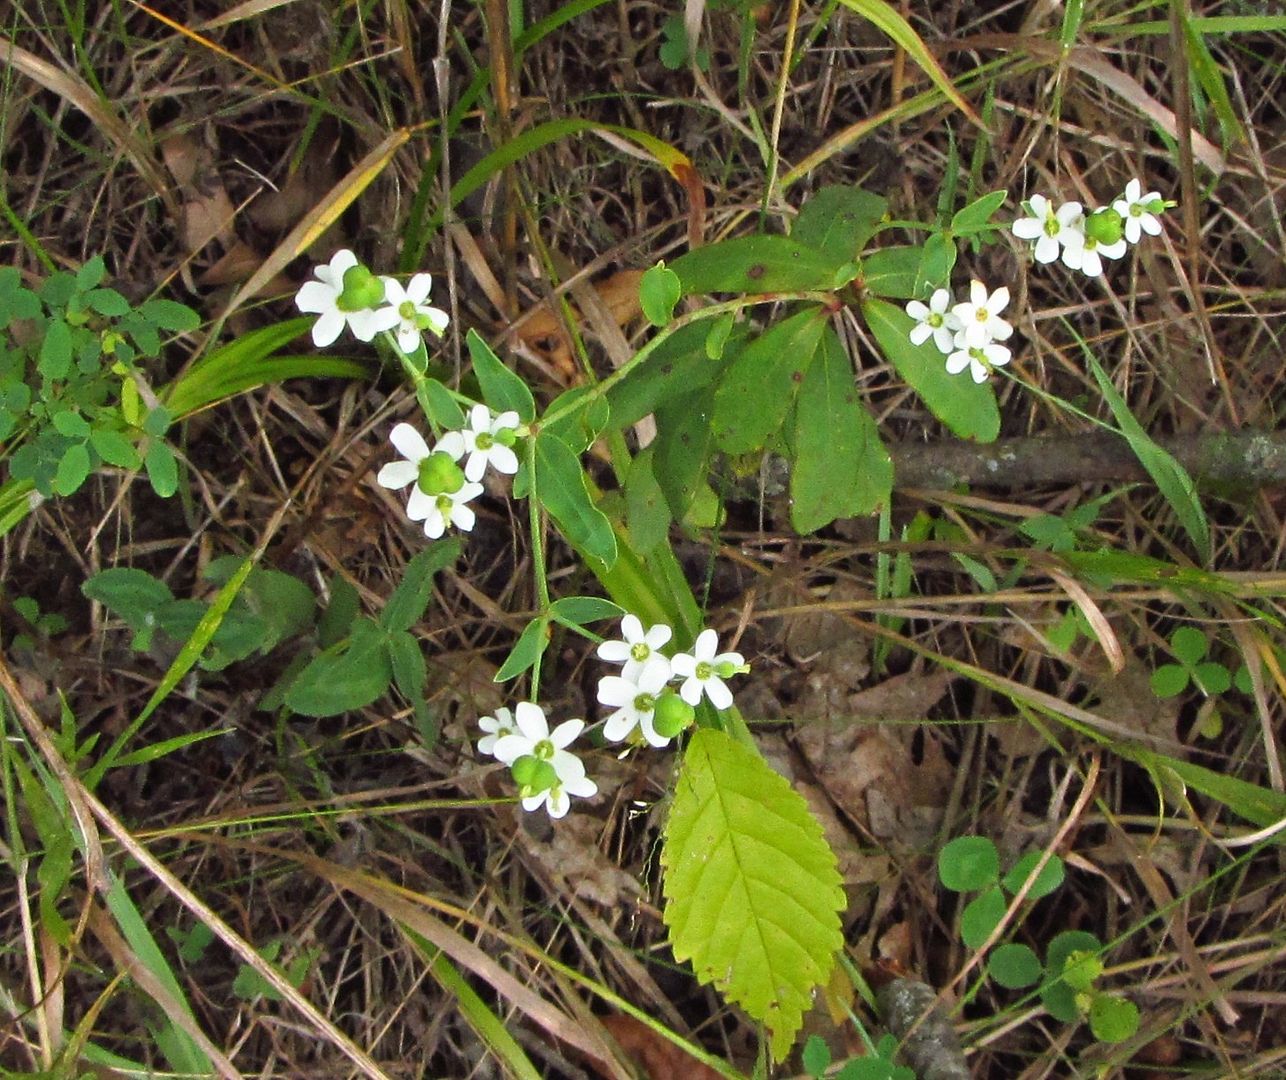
[(1169, 680), (968, 863), (1113, 1019), (1051, 875), (981, 916), (1014, 966), (1213, 678), (1188, 644)]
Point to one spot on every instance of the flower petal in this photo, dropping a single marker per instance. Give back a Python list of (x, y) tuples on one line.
[(327, 329), (566, 732), (613, 690), (314, 297), (718, 693), (397, 474), (530, 719)]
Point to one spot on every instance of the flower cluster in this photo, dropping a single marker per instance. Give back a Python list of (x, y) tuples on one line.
[(346, 293), (441, 490), (1080, 240), (645, 708), (968, 333)]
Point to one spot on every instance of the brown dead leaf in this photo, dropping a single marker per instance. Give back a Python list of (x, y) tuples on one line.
[(574, 857), (1127, 698), (543, 331), (276, 211), (657, 1057), (206, 212)]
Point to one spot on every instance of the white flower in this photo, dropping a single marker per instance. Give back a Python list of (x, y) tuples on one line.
[(437, 509), (485, 443), (934, 319), (345, 293), (1087, 255), (638, 650), (496, 728), (635, 704), (555, 797), (534, 739), (704, 672), (979, 316), (414, 315), (979, 359), (1050, 228), (1138, 211)]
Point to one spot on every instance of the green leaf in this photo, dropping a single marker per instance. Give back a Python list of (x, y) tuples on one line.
[(1259, 805), (1169, 680), (580, 427), (1082, 969), (439, 405), (1170, 477), (559, 483), (1056, 994), (407, 661), (114, 448), (169, 315), (55, 350), (1113, 1019), (337, 619), (107, 302), (981, 916), (344, 679), (530, 647), (758, 388), (681, 451), (838, 221), (133, 596), (162, 469), (752, 891), (841, 468), (893, 272), (968, 863), (1014, 966), (406, 606), (937, 260), (1213, 678), (659, 291), (977, 215), (91, 273), (70, 423), (756, 264), (967, 408), (1050, 878), (501, 388), (580, 610), (646, 510), (73, 469), (672, 371), (1188, 644), (816, 1056)]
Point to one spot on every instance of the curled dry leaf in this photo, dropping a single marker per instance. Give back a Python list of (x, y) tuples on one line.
[(657, 1057)]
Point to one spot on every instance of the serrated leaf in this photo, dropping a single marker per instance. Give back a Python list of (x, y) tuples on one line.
[(757, 390), (560, 486), (841, 467), (406, 606), (752, 891), (838, 221), (756, 264), (1014, 966), (967, 408), (659, 291), (501, 388)]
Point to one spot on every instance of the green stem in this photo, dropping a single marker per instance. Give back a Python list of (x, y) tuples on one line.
[(537, 553)]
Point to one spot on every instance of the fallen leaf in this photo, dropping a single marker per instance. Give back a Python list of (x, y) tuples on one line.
[(655, 1055)]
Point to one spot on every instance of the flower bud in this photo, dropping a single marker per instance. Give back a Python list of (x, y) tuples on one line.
[(362, 290), (1104, 226), (671, 715), (440, 475), (533, 775)]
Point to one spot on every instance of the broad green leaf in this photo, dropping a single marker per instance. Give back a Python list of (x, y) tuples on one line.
[(55, 350), (341, 680), (1170, 477), (284, 603), (681, 451), (441, 407), (673, 370), (73, 469), (407, 661), (530, 647), (893, 272), (838, 220), (582, 426), (981, 916), (559, 484), (579, 610), (646, 510), (937, 260), (977, 215), (91, 273), (114, 448), (133, 596), (841, 469), (1055, 994), (1014, 966), (1188, 644), (1169, 680), (756, 264), (967, 408), (501, 388), (899, 31), (659, 291), (968, 863), (238, 635), (752, 891), (162, 469), (1113, 1019), (1050, 878), (169, 315), (756, 392), (406, 606), (337, 620), (106, 302), (1213, 677)]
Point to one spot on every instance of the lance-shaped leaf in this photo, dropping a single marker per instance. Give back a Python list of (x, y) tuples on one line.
[(560, 486), (752, 891), (756, 264)]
